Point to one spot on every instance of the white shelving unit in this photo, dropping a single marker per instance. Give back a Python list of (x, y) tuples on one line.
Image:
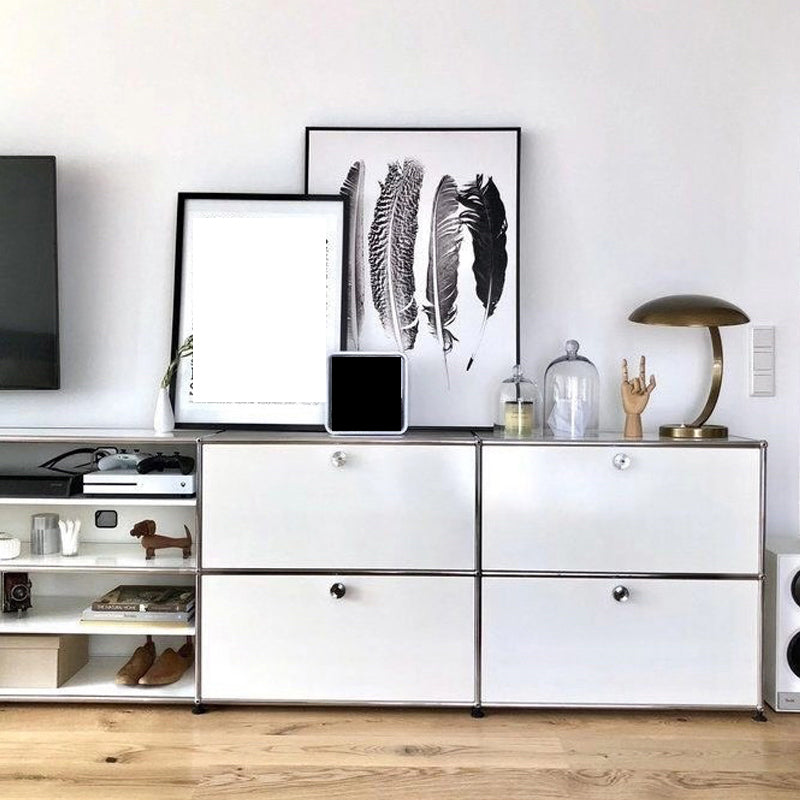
[(64, 586), (100, 501), (95, 682), (105, 557), (63, 615)]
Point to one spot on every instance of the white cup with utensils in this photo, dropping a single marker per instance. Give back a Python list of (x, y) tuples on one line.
[(70, 530)]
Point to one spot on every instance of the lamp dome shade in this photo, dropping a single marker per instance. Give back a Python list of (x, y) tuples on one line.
[(689, 310)]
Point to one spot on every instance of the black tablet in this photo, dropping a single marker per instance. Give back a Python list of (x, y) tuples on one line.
[(367, 393)]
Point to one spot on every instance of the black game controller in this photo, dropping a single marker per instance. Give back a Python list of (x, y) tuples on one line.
[(159, 462)]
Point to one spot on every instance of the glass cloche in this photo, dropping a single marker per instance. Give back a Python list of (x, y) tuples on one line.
[(519, 406), (571, 395)]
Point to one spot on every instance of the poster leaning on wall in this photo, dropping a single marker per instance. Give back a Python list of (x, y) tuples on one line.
[(258, 284), (431, 268)]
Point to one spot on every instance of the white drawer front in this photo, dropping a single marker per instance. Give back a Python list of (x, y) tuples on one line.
[(388, 639), (670, 509), (567, 641), (384, 507)]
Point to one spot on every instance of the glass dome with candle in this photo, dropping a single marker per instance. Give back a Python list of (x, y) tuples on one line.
[(519, 407)]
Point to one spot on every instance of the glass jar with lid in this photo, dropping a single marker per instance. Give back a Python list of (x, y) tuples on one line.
[(519, 407), (571, 395)]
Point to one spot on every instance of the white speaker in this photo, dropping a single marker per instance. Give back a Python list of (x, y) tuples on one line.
[(782, 624)]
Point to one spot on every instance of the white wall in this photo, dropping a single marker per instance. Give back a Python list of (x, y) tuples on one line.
[(660, 155)]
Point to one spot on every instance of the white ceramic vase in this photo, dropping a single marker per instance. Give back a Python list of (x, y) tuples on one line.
[(163, 419)]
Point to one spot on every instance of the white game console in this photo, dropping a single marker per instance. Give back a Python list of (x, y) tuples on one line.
[(130, 481)]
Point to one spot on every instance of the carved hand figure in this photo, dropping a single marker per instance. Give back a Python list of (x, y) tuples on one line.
[(635, 394)]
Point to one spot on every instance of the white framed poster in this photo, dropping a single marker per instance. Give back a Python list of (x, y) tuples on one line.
[(432, 265), (258, 285)]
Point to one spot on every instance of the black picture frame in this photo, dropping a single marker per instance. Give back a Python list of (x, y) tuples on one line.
[(461, 393), (258, 284)]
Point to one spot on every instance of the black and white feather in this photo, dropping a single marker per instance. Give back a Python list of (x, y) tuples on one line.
[(353, 190), (392, 237), (442, 285), (485, 218)]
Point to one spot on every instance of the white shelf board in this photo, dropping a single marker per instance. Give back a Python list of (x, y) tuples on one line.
[(96, 681), (63, 615), (97, 501), (101, 435), (102, 557)]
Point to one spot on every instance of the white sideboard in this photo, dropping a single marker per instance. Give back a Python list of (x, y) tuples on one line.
[(481, 570), (338, 570), (435, 568), (622, 573)]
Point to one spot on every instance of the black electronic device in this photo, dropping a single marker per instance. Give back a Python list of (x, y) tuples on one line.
[(16, 591), (160, 462), (39, 483), (367, 393), (29, 352)]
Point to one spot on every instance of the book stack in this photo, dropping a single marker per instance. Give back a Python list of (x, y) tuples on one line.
[(130, 603)]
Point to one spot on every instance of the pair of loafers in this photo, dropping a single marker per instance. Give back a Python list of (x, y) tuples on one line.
[(143, 668)]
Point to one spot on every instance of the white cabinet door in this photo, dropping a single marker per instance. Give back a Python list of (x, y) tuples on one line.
[(388, 639), (303, 506), (568, 641), (617, 509)]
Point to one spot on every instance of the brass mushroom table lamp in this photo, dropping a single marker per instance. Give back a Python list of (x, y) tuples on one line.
[(694, 310)]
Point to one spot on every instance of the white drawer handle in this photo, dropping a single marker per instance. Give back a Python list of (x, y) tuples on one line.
[(621, 461), (621, 594), (339, 458)]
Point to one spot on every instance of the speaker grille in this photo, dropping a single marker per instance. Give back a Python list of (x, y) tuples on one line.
[(793, 654)]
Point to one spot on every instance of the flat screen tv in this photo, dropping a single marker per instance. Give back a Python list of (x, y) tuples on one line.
[(29, 355)]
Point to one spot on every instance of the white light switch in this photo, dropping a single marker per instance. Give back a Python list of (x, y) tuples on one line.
[(763, 337), (763, 385), (762, 361)]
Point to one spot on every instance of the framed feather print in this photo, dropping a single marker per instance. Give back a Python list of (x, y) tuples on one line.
[(258, 285), (431, 267)]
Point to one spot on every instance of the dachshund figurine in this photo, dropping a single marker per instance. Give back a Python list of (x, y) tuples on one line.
[(152, 541)]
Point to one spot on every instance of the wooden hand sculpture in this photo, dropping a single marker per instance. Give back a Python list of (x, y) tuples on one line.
[(635, 394)]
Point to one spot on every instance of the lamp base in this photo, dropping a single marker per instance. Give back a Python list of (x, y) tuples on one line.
[(693, 431)]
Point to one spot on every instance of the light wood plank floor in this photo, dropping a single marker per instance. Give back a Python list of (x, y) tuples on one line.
[(78, 752)]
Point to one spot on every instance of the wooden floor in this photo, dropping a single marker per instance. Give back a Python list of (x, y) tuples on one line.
[(139, 753)]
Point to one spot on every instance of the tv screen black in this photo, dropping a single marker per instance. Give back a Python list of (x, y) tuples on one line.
[(29, 357)]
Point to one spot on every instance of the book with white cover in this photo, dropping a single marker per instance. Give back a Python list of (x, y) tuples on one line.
[(170, 617)]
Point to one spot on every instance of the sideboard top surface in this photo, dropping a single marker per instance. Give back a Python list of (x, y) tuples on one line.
[(101, 435), (320, 437), (421, 436), (617, 439)]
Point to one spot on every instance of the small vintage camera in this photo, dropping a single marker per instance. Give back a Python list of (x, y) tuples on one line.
[(16, 591)]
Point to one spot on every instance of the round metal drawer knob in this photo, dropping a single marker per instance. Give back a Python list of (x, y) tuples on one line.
[(621, 594), (338, 590), (339, 458), (621, 461)]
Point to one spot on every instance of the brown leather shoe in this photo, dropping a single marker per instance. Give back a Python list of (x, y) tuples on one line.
[(169, 666), (136, 666)]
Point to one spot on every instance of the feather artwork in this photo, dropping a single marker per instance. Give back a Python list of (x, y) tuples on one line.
[(442, 287), (391, 252), (485, 217), (353, 190)]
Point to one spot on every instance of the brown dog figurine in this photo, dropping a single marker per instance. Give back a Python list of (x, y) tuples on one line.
[(152, 541)]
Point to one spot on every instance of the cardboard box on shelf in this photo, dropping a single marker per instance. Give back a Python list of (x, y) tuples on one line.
[(41, 661)]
